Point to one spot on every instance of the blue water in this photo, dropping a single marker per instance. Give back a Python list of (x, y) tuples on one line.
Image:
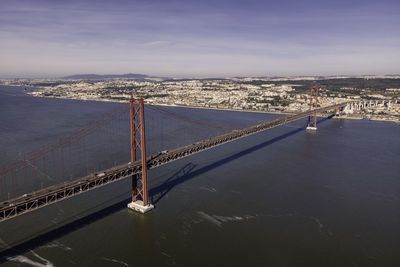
[(284, 197)]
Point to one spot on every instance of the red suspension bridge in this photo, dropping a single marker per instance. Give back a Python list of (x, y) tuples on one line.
[(136, 169)]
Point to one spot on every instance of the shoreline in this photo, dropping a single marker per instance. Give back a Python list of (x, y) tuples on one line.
[(226, 109), (211, 108), (221, 109), (167, 105)]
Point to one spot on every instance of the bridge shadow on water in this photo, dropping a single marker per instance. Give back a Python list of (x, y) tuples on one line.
[(156, 193), (186, 173)]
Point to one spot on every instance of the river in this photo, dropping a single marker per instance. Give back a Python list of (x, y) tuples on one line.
[(284, 197)]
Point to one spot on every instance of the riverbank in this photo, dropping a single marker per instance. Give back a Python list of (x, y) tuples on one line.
[(214, 108), (165, 105)]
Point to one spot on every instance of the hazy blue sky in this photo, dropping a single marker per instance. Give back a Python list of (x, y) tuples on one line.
[(199, 38)]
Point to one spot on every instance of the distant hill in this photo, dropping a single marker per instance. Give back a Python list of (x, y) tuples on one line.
[(106, 76)]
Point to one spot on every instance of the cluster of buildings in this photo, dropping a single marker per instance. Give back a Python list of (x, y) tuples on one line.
[(237, 94)]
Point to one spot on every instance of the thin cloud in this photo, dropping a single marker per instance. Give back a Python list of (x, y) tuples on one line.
[(199, 38)]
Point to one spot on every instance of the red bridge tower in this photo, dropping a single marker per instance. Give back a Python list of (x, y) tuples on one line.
[(140, 192), (312, 118)]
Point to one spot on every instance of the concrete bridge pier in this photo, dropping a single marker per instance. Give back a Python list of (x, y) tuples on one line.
[(312, 128)]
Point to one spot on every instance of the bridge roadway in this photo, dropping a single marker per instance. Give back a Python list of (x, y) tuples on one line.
[(44, 197)]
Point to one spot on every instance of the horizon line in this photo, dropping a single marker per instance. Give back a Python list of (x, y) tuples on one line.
[(194, 76)]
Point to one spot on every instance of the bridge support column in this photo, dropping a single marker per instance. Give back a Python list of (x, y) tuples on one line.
[(338, 112), (139, 193), (312, 119), (312, 122)]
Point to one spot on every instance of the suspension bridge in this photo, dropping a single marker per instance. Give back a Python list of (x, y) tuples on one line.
[(136, 169)]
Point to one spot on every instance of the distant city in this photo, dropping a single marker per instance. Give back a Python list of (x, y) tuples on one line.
[(261, 94)]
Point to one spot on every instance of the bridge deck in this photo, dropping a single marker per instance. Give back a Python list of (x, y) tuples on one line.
[(44, 197)]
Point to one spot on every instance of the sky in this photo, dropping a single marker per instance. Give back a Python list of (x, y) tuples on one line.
[(192, 38)]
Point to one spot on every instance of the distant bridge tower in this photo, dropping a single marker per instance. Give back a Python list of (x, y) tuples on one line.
[(140, 191), (312, 118)]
